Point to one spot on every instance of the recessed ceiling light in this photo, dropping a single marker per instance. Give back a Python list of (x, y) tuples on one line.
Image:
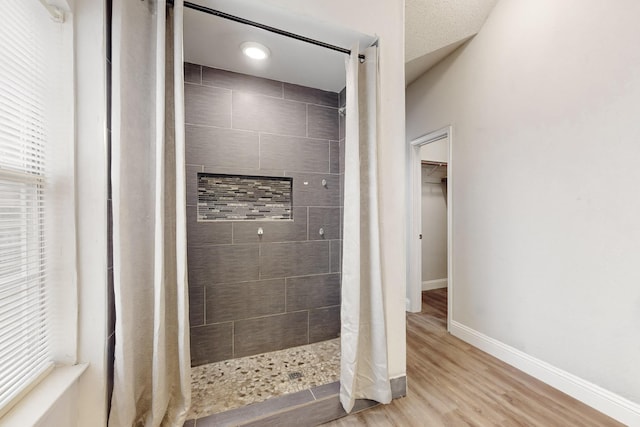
[(255, 50)]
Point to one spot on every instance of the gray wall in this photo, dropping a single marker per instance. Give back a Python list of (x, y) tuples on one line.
[(251, 294)]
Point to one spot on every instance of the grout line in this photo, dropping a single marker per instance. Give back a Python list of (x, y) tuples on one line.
[(264, 316), (217, 323), (272, 278)]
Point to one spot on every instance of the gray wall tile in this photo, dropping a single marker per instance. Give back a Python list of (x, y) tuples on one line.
[(192, 183), (293, 259), (313, 193), (243, 82), (270, 333), (243, 171), (222, 264), (207, 105), (109, 233), (294, 153), (225, 256), (111, 347), (328, 219), (221, 147), (109, 160), (196, 305), (342, 156), (324, 324), (341, 126), (192, 73), (313, 292), (111, 303), (206, 233), (336, 255), (310, 95), (265, 114), (341, 192), (236, 301), (211, 343), (109, 99), (274, 231), (322, 122), (342, 97), (334, 157)]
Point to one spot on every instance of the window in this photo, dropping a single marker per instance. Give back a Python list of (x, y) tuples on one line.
[(31, 109)]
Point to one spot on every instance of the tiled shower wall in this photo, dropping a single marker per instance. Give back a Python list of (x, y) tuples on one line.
[(250, 294)]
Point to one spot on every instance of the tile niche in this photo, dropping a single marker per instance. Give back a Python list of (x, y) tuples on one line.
[(224, 197)]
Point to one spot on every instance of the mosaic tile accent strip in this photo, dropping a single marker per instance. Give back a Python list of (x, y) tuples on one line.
[(242, 197), (234, 383)]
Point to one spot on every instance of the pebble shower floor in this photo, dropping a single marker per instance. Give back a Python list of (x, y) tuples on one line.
[(230, 384)]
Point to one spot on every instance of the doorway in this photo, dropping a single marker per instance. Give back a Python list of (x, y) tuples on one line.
[(431, 151)]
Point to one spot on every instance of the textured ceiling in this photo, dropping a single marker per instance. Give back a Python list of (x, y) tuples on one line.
[(434, 28)]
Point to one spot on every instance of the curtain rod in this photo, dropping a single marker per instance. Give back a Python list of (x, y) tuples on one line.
[(265, 27)]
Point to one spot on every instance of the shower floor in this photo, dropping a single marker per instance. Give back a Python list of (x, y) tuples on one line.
[(230, 384)]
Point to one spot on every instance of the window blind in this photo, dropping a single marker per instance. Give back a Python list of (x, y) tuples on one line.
[(27, 36)]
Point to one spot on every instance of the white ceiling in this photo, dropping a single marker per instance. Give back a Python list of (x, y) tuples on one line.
[(215, 42), (433, 29)]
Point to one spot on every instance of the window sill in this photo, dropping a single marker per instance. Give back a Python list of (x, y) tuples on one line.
[(37, 403)]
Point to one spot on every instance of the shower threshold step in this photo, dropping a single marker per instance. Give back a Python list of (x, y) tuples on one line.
[(310, 407)]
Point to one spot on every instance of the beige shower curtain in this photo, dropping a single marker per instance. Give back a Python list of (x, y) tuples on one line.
[(152, 361), (363, 370)]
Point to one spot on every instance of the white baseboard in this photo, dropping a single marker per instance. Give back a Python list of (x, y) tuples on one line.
[(434, 284), (611, 404)]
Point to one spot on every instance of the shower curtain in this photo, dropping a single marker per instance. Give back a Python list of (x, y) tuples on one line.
[(152, 361), (363, 370)]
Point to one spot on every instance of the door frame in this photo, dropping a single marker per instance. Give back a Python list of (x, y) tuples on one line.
[(414, 285)]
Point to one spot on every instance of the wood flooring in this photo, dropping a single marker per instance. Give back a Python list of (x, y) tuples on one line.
[(451, 383)]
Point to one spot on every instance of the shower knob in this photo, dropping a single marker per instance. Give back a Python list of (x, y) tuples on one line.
[(321, 231), (260, 231)]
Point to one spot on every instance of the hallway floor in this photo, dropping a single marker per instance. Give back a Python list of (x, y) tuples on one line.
[(451, 383), (234, 383)]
